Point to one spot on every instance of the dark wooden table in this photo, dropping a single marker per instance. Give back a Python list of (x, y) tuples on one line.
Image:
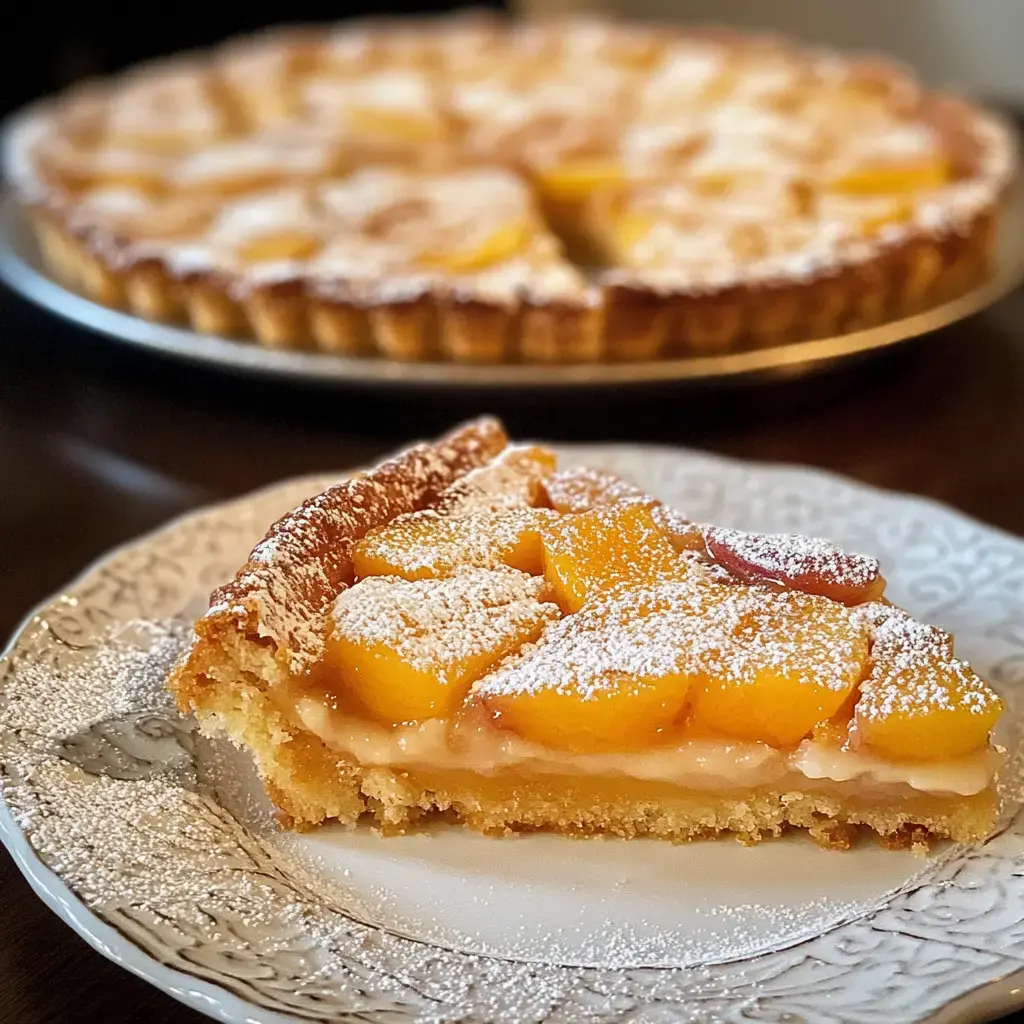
[(98, 444)]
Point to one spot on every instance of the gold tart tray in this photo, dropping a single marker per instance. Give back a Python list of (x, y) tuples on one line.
[(22, 269)]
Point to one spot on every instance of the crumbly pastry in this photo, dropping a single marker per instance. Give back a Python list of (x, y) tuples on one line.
[(465, 189), (467, 631)]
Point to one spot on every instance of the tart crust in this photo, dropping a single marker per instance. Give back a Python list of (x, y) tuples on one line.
[(263, 637), (617, 313)]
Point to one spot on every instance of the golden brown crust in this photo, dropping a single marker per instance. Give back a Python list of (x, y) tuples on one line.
[(623, 320), (277, 600)]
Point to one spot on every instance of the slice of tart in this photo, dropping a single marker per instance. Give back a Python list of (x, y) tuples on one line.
[(467, 630)]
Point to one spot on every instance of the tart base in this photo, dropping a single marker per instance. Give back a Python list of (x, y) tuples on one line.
[(619, 322), (309, 783)]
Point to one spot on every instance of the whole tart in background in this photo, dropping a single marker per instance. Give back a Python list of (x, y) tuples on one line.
[(483, 191)]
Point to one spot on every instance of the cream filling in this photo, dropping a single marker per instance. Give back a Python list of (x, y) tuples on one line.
[(695, 764)]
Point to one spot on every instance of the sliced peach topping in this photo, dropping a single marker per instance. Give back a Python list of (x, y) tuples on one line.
[(579, 490), (887, 178), (620, 674), (919, 703), (410, 650), (778, 663), (615, 676), (835, 731), (514, 479), (606, 547), (628, 231), (502, 244), (428, 544), (406, 126), (483, 520), (800, 563), (293, 245), (577, 179)]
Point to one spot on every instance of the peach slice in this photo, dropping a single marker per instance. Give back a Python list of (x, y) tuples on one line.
[(513, 480), (919, 703), (629, 230), (485, 519), (579, 490), (429, 544), (777, 664), (410, 650), (578, 179), (835, 731), (887, 178), (295, 245), (800, 563), (613, 677), (750, 663), (502, 244), (405, 126), (604, 548)]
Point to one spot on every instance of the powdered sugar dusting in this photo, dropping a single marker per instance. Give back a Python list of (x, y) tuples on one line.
[(789, 557), (437, 625), (914, 672), (430, 543), (510, 480), (478, 521), (694, 628), (127, 672), (178, 879), (580, 489)]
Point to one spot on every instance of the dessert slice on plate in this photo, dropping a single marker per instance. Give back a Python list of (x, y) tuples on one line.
[(466, 629)]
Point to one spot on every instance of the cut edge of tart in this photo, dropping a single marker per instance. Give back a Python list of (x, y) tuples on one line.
[(698, 254), (466, 631)]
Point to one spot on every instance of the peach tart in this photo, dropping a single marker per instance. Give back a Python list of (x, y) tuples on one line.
[(466, 630), (650, 191)]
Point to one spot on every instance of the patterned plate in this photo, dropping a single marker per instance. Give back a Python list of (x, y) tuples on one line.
[(158, 847)]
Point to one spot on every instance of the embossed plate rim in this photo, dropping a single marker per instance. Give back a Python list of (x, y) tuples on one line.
[(205, 997), (1000, 994)]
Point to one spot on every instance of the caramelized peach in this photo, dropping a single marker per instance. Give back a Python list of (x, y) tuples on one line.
[(425, 545), (887, 178), (613, 677), (485, 520), (410, 650), (919, 703), (777, 664), (579, 490), (799, 563), (501, 245), (603, 548), (514, 479)]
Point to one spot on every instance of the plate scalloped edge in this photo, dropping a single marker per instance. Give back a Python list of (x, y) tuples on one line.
[(949, 947)]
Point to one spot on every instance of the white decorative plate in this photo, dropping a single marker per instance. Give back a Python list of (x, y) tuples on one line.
[(158, 847)]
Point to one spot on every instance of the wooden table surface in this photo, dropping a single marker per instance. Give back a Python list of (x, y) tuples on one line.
[(98, 444)]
